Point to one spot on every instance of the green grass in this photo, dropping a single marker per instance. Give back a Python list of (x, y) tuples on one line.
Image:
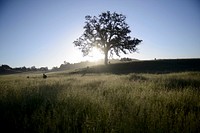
[(100, 103)]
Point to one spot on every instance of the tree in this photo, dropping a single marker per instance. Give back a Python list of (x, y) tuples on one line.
[(6, 67), (33, 68), (43, 68), (108, 32)]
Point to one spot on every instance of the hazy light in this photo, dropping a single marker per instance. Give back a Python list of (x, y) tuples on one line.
[(95, 55)]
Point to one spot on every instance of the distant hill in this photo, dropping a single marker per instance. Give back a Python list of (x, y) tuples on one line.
[(150, 66), (116, 66), (5, 69), (68, 66)]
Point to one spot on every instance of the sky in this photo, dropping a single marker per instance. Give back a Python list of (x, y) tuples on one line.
[(41, 32)]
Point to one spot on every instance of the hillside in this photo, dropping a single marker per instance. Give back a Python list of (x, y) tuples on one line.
[(118, 67), (152, 66)]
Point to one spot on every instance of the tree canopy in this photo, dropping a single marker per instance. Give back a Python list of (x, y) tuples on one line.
[(107, 32)]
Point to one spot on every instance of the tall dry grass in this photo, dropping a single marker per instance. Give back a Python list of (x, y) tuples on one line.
[(100, 103)]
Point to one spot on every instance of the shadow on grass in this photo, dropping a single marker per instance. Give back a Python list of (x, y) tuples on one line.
[(28, 109)]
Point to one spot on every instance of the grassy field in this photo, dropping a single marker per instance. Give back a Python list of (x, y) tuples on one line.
[(100, 103)]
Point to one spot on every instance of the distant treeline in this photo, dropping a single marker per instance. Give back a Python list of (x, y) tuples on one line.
[(6, 69), (67, 65)]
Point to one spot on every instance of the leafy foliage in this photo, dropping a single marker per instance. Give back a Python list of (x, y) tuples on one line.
[(107, 32)]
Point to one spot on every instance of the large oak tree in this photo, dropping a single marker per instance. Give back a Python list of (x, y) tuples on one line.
[(107, 32)]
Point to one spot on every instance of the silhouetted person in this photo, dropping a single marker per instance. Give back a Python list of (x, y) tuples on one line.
[(44, 76)]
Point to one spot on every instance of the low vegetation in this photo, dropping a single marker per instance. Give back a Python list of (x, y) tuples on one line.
[(100, 103)]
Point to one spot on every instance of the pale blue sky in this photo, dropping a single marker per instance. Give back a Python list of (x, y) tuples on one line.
[(41, 32)]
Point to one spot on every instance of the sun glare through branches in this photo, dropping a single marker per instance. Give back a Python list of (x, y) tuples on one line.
[(95, 55)]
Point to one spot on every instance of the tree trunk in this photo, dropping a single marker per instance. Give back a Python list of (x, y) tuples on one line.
[(106, 57)]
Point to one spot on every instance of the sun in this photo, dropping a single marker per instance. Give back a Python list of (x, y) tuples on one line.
[(95, 55)]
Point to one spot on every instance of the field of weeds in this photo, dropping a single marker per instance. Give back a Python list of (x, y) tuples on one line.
[(100, 103)]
